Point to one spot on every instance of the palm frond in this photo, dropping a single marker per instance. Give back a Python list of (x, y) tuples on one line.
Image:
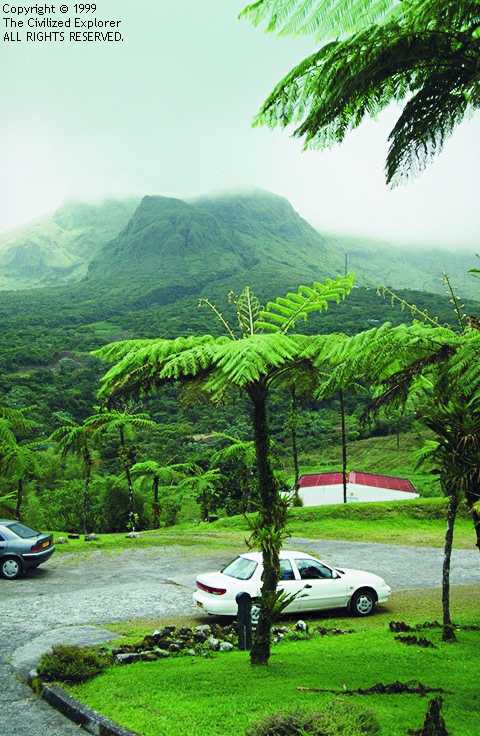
[(318, 17), (428, 118), (138, 367)]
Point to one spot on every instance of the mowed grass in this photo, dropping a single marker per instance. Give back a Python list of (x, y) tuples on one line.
[(223, 695), (419, 522)]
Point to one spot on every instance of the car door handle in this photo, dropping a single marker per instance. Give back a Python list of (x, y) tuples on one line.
[(307, 586)]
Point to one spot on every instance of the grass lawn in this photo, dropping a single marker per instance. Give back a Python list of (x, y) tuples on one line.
[(222, 695), (420, 522), (417, 522)]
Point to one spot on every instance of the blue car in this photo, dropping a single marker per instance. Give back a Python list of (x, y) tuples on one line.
[(22, 549)]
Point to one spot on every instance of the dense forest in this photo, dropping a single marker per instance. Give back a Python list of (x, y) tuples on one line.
[(138, 286)]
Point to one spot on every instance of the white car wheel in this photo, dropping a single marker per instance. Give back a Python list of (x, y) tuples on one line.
[(363, 603), (11, 568)]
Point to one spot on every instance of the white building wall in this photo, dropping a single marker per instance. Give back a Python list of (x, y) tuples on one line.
[(325, 495)]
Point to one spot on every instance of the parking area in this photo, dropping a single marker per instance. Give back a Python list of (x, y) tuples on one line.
[(72, 595)]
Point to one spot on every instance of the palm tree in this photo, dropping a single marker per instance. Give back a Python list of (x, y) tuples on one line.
[(20, 462), (454, 456), (160, 476), (425, 52), (252, 362), (203, 487), (75, 438), (126, 424), (242, 454)]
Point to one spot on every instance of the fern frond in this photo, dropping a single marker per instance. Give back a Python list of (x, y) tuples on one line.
[(283, 313)]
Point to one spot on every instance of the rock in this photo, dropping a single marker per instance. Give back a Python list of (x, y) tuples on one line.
[(301, 626), (184, 633), (74, 536), (61, 540), (201, 633), (225, 646), (132, 535), (163, 633), (174, 647), (213, 644), (128, 658), (91, 537), (190, 652), (149, 656), (203, 629), (161, 653)]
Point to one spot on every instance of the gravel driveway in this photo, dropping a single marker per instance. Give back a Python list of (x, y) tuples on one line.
[(60, 601)]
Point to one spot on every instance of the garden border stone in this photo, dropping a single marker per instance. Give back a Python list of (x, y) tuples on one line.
[(75, 711)]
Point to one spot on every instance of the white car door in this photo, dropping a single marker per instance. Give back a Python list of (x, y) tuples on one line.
[(323, 587), (291, 583)]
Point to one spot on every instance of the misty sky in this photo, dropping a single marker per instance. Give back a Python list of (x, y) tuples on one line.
[(169, 112)]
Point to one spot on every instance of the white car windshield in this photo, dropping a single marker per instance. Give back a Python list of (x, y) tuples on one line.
[(241, 568)]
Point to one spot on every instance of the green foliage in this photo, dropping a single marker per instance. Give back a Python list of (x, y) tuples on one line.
[(319, 17), (338, 718), (72, 664)]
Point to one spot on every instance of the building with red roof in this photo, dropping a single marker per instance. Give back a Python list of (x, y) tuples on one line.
[(317, 489)]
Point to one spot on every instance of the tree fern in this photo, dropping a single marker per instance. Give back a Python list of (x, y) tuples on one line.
[(251, 363), (424, 52)]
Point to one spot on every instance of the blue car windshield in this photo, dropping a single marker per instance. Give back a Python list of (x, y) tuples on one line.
[(22, 531), (241, 568)]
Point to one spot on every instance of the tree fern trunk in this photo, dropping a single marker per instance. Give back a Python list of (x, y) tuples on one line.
[(156, 506), (86, 491), (294, 439), (126, 467), (344, 446), (18, 505), (448, 633), (270, 544)]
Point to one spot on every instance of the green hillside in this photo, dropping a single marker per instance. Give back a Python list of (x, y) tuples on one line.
[(407, 267), (58, 248)]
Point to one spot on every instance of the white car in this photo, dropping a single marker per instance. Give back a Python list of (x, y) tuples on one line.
[(318, 585)]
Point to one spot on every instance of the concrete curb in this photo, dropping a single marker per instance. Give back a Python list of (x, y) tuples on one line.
[(89, 720)]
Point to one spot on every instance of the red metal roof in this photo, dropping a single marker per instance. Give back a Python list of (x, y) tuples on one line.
[(364, 479), (320, 479)]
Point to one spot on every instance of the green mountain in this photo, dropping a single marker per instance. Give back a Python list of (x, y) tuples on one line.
[(166, 248), (169, 242), (58, 248)]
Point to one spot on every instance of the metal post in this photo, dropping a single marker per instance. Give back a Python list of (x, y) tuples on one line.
[(244, 602)]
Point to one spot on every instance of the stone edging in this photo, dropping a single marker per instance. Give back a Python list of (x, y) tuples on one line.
[(88, 719)]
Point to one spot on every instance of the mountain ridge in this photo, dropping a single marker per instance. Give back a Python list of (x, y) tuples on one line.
[(163, 244)]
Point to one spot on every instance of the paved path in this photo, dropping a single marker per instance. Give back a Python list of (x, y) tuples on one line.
[(59, 601)]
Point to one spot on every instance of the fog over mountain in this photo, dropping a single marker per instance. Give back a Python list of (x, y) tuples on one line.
[(251, 237), (170, 112)]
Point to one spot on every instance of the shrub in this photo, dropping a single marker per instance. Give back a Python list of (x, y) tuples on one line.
[(336, 719), (72, 664)]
